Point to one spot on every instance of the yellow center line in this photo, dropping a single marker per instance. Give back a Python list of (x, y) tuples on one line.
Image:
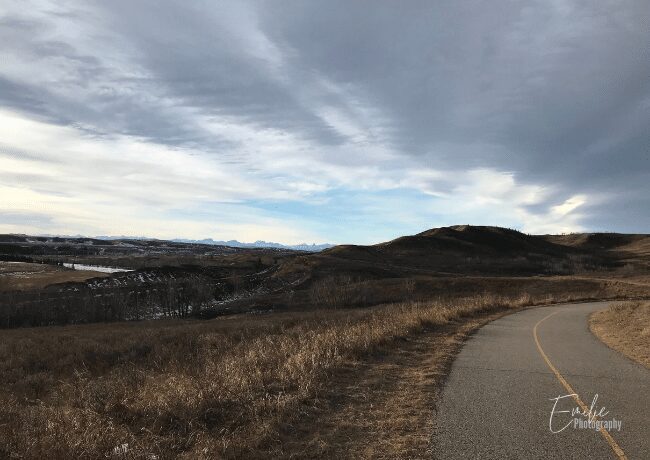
[(608, 437)]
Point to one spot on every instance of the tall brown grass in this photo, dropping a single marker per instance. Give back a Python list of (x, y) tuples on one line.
[(191, 389), (626, 328)]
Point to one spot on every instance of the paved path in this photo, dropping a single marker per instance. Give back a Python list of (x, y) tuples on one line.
[(497, 399)]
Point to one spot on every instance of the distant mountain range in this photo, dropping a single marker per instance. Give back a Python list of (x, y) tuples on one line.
[(210, 241), (230, 243), (258, 244)]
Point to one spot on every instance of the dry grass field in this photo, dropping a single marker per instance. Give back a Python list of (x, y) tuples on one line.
[(21, 276), (625, 327), (229, 387)]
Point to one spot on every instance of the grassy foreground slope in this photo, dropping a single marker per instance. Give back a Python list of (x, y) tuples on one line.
[(625, 327), (228, 387)]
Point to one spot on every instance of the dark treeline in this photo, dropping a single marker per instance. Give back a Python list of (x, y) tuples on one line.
[(82, 304), (15, 258)]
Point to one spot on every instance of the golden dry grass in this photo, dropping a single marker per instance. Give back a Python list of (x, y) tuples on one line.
[(625, 327), (382, 406), (20, 276), (213, 389)]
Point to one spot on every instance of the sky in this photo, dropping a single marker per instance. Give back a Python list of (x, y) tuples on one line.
[(337, 121)]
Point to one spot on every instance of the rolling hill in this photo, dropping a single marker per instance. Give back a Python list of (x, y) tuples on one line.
[(456, 250)]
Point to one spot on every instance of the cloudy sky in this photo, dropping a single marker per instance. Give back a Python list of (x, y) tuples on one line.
[(330, 121)]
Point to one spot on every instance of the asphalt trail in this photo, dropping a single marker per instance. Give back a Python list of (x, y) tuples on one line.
[(497, 399)]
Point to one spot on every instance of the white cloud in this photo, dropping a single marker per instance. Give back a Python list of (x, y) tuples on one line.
[(128, 148), (562, 218), (568, 206), (124, 185)]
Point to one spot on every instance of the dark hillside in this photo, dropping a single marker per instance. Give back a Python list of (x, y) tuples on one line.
[(598, 240), (475, 240), (629, 250), (466, 250)]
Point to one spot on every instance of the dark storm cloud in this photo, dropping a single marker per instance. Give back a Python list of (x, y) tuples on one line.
[(558, 93), (524, 74)]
